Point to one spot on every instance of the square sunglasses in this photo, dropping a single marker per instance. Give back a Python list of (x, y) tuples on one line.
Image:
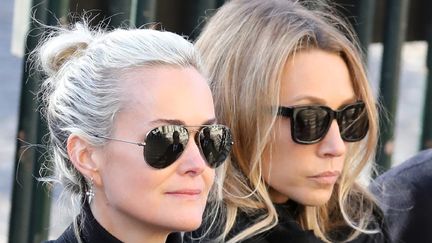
[(310, 123)]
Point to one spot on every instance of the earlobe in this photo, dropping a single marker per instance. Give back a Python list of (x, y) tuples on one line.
[(80, 154)]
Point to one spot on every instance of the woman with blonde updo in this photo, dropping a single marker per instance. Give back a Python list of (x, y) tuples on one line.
[(287, 77), (115, 101)]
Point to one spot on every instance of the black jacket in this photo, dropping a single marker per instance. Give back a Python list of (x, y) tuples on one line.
[(405, 194), (93, 232), (287, 230)]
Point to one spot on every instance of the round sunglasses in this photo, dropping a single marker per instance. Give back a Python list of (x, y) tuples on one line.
[(310, 123), (163, 145)]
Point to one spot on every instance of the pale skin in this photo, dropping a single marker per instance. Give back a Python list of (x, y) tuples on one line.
[(133, 201), (312, 77)]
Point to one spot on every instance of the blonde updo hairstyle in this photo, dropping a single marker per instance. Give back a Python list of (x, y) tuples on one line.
[(245, 46)]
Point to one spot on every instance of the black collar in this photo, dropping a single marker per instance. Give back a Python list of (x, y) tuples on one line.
[(93, 232)]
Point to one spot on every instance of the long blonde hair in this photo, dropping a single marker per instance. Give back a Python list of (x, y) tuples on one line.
[(245, 46)]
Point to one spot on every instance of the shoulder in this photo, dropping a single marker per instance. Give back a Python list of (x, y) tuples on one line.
[(379, 237), (210, 229), (405, 197), (406, 181), (68, 236), (378, 227), (287, 228), (416, 168)]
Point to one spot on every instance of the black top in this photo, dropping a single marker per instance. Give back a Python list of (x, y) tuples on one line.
[(93, 232), (405, 194), (287, 230)]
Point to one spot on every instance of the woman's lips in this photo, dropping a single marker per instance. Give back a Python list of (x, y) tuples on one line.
[(328, 177), (186, 193)]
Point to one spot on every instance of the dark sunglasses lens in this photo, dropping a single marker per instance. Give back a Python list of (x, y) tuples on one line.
[(354, 123), (310, 124), (215, 143), (164, 145)]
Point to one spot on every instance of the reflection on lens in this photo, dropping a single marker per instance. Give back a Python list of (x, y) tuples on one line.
[(311, 123), (164, 145), (215, 143), (354, 123)]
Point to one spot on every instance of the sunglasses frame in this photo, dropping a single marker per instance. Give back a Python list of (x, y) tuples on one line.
[(189, 131), (292, 111)]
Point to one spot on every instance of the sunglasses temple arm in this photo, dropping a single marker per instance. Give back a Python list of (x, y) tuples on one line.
[(121, 140)]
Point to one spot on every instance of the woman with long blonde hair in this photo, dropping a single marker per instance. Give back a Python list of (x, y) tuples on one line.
[(288, 79)]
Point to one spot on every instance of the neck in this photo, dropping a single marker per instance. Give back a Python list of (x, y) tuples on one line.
[(125, 227), (277, 197)]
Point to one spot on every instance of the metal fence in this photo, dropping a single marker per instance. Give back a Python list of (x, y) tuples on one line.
[(391, 22)]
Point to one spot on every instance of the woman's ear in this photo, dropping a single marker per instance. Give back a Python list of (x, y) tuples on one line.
[(80, 153)]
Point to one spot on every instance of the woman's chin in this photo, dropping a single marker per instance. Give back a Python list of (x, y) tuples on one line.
[(187, 226), (186, 223), (316, 199)]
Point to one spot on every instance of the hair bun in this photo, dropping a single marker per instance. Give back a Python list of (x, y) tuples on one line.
[(61, 46), (66, 54)]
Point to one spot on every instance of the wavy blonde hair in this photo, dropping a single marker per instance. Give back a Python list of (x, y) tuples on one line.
[(245, 46)]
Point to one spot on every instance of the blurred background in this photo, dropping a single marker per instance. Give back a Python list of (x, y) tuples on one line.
[(394, 34)]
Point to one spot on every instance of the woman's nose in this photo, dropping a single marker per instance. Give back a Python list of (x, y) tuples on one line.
[(332, 145), (192, 161)]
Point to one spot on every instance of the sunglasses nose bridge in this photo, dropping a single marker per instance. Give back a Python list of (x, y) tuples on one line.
[(337, 115), (194, 134), (334, 115), (194, 150)]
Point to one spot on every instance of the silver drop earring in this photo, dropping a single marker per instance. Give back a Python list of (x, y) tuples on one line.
[(90, 192)]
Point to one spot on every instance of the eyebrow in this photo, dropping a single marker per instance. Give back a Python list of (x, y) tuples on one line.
[(181, 122), (318, 100), (310, 99)]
